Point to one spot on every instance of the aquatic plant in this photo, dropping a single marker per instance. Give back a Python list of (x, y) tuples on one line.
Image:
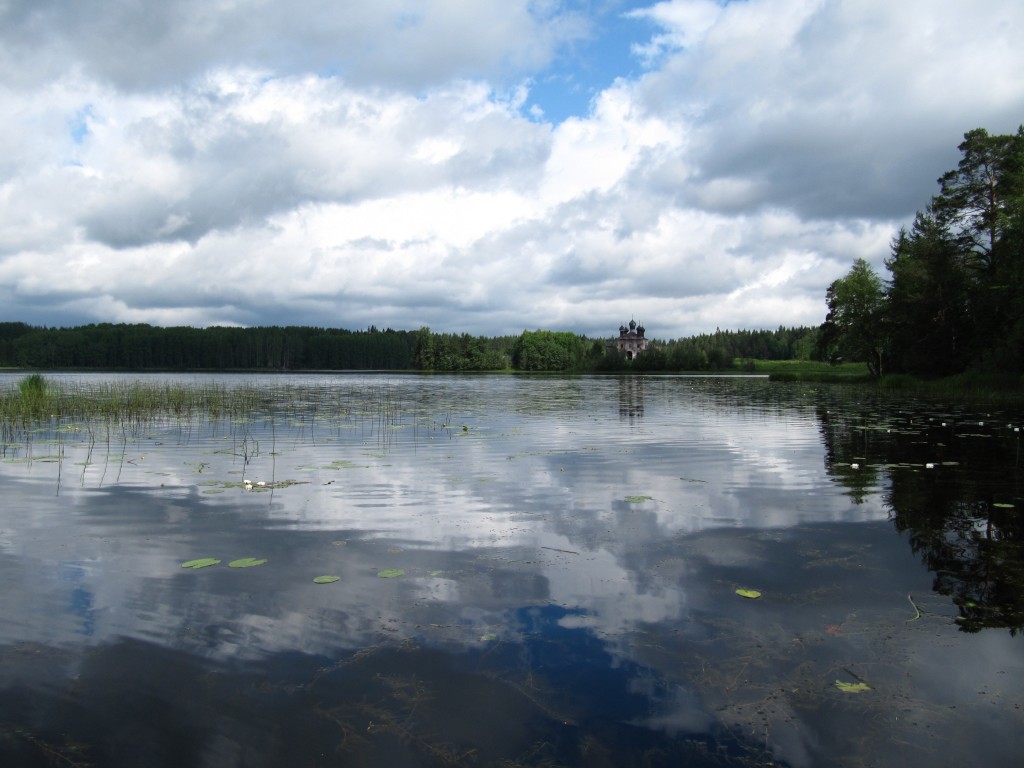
[(33, 385), (202, 562), (37, 397)]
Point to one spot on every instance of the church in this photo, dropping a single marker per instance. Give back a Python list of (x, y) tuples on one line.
[(631, 341)]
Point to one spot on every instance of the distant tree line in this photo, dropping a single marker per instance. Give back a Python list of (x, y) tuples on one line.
[(108, 346), (954, 297), (723, 350), (460, 352), (139, 347)]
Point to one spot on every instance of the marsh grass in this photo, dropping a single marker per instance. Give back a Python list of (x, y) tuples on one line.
[(32, 394), (973, 384), (34, 385), (35, 399), (38, 405), (809, 370)]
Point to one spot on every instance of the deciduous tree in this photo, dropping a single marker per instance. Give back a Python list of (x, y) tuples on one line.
[(855, 327)]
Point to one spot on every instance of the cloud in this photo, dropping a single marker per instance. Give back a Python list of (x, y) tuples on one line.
[(208, 163), (142, 45), (826, 108)]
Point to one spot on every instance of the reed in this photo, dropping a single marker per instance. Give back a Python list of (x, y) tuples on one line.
[(34, 385), (976, 385), (36, 399)]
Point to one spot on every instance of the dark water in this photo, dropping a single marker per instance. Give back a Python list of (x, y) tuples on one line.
[(569, 553)]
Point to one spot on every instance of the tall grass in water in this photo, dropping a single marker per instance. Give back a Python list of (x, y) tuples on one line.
[(33, 394), (36, 399), (34, 385), (972, 384)]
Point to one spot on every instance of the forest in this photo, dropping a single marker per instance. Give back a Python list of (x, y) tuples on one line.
[(953, 301), (138, 347)]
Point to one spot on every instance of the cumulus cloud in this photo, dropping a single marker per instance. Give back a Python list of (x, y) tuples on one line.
[(141, 44), (830, 109), (234, 163)]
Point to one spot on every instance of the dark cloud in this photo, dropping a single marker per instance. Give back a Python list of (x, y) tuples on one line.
[(242, 182), (141, 45), (832, 110)]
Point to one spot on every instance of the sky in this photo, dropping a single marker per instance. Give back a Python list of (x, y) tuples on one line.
[(481, 167)]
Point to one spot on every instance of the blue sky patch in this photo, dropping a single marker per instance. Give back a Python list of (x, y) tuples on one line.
[(78, 126), (589, 66)]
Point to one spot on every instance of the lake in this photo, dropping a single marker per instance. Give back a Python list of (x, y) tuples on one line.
[(531, 571)]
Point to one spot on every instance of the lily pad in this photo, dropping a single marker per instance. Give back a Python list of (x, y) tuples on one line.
[(326, 579), (750, 594), (246, 562), (390, 573), (852, 687), (202, 562)]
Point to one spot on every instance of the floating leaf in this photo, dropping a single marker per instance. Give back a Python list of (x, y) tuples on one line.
[(202, 562), (1002, 505), (245, 562), (488, 637), (852, 687), (637, 499), (326, 579), (750, 594), (390, 573)]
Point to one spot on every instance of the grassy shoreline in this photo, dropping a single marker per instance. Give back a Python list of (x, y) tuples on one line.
[(974, 385), (808, 370)]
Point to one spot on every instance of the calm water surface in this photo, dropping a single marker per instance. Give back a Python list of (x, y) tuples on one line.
[(533, 571)]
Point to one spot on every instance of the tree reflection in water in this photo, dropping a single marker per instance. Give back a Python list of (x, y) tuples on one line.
[(952, 482)]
